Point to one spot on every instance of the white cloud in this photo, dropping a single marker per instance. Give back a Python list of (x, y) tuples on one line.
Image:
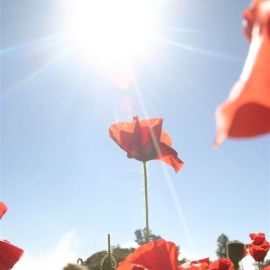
[(130, 244), (184, 253), (54, 258)]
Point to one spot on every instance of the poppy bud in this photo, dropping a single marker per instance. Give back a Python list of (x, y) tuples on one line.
[(236, 252)]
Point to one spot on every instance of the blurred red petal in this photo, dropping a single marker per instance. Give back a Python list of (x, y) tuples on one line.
[(221, 264), (259, 252), (204, 260), (259, 248), (9, 255), (246, 113), (3, 209), (258, 238), (154, 255)]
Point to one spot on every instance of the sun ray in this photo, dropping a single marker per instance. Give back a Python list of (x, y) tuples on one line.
[(184, 30), (170, 77), (204, 52), (36, 73), (176, 201), (179, 209), (163, 2), (43, 42)]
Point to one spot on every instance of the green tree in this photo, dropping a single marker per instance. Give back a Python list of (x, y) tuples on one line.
[(222, 241), (140, 236)]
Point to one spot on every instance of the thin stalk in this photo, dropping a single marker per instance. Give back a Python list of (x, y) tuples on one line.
[(109, 250), (242, 266), (146, 202)]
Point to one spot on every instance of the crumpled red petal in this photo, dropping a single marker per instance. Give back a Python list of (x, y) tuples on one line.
[(170, 157), (258, 238), (144, 140), (259, 248)]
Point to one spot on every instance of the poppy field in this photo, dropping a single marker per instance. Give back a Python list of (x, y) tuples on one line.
[(62, 171)]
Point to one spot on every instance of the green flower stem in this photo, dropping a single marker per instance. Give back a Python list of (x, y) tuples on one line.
[(109, 251), (146, 202), (109, 245)]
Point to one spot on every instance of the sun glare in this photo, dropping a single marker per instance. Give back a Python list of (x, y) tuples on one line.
[(114, 33)]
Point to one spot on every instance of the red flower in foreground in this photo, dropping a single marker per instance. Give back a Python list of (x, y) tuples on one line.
[(144, 140), (3, 209), (9, 255), (221, 264), (154, 255), (259, 247), (246, 113)]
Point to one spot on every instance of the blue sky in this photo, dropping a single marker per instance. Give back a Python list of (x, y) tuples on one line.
[(60, 170)]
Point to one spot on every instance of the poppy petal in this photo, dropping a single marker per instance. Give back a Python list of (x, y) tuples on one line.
[(221, 264), (144, 140), (122, 134), (204, 260), (150, 129), (259, 247), (138, 138), (247, 111), (165, 138), (9, 255), (258, 238), (154, 255), (170, 157), (3, 209)]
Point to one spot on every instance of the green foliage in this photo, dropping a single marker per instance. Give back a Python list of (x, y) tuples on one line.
[(108, 262), (182, 261), (140, 236), (119, 254), (222, 246)]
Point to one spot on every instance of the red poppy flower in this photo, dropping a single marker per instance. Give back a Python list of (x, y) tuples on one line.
[(221, 264), (259, 247), (3, 209), (144, 140), (258, 238), (246, 113), (9, 255), (154, 255)]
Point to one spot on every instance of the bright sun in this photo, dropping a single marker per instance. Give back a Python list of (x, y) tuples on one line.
[(111, 32)]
